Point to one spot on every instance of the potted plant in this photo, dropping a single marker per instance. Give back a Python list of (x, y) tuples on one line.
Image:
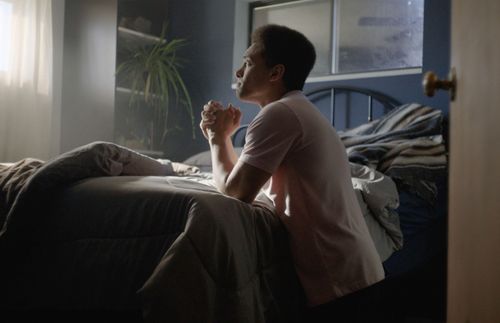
[(152, 74)]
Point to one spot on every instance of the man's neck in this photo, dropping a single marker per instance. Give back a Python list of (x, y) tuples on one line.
[(274, 95)]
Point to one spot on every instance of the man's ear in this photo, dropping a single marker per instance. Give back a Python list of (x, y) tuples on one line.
[(277, 72)]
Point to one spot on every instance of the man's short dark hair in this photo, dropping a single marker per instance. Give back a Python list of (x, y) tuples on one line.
[(289, 47)]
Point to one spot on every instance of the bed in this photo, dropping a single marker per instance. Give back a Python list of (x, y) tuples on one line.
[(103, 233)]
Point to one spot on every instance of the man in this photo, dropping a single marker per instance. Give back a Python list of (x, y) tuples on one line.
[(291, 143)]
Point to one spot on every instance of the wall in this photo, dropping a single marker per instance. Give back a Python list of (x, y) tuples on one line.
[(58, 40), (209, 26), (87, 103)]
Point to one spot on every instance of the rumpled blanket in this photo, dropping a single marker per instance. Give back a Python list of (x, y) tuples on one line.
[(231, 263), (13, 177), (406, 144), (28, 183)]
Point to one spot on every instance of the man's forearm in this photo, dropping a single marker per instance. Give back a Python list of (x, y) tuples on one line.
[(223, 160)]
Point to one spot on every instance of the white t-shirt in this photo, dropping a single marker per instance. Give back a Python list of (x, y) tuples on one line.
[(313, 195)]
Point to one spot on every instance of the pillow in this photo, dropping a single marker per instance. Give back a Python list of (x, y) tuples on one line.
[(203, 160)]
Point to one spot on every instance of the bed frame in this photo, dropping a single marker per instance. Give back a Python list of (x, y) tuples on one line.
[(330, 93)]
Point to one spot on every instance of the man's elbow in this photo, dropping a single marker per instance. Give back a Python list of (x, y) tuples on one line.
[(242, 196), (246, 199)]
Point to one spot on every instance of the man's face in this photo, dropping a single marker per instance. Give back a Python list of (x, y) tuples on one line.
[(253, 76)]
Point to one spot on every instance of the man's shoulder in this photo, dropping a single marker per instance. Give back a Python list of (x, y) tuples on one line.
[(296, 99), (288, 102), (287, 110), (294, 96), (276, 115), (277, 107)]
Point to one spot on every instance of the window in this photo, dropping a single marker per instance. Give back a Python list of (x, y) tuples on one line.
[(304, 16), (5, 32), (350, 36)]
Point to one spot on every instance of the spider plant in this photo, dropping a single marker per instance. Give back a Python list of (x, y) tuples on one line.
[(153, 74)]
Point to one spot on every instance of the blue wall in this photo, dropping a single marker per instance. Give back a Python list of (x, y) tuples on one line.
[(209, 26)]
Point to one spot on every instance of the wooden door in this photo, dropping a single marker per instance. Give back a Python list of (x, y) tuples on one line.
[(474, 213)]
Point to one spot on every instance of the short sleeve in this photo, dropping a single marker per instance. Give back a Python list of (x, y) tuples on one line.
[(272, 135)]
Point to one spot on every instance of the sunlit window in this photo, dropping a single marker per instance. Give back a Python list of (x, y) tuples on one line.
[(352, 36), (5, 32), (378, 35)]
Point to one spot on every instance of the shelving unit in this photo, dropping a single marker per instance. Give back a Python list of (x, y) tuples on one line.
[(157, 124), (132, 123), (129, 37)]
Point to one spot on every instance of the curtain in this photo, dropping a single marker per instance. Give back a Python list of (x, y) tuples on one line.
[(25, 79)]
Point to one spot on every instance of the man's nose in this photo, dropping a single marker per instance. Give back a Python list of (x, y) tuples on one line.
[(238, 73)]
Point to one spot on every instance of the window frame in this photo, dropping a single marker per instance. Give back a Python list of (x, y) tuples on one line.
[(244, 14)]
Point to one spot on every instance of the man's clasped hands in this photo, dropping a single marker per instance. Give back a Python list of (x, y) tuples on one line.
[(219, 122)]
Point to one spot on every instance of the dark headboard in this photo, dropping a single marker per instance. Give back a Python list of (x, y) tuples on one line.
[(329, 96)]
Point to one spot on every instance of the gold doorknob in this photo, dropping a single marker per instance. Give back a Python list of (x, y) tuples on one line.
[(431, 83)]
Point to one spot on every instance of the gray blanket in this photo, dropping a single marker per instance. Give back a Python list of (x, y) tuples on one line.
[(26, 184), (230, 264)]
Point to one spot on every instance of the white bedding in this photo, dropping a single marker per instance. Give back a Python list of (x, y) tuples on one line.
[(378, 198)]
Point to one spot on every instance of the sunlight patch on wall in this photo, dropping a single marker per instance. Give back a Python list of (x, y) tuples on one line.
[(5, 34)]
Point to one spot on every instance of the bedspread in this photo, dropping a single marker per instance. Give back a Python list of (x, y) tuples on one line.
[(27, 183), (12, 179), (230, 263)]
